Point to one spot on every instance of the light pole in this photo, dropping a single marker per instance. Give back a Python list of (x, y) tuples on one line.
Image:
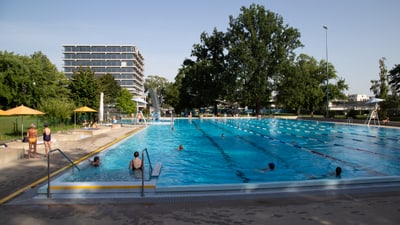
[(327, 77)]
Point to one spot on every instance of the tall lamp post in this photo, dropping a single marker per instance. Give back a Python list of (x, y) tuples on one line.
[(327, 77)]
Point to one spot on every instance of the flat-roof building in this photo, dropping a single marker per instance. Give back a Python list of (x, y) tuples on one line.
[(124, 62), (358, 98)]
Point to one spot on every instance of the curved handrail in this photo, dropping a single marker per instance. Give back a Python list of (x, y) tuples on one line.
[(48, 167)]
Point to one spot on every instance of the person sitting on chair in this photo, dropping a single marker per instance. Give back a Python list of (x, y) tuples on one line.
[(95, 126)]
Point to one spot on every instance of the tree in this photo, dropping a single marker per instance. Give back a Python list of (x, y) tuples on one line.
[(259, 47), (394, 78), (125, 103), (29, 80), (155, 82), (16, 84), (379, 87), (381, 90), (110, 87), (49, 83), (302, 85), (85, 90), (172, 94), (210, 80), (57, 110)]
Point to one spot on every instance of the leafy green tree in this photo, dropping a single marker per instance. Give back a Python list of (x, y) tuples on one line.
[(155, 82), (172, 94), (259, 46), (110, 87), (180, 96), (302, 85), (187, 94), (209, 78), (16, 84), (125, 103), (380, 87), (48, 82), (57, 110), (85, 90), (394, 78), (29, 80)]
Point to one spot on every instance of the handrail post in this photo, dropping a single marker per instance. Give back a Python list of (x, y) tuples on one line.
[(150, 167), (48, 167), (142, 173), (48, 174)]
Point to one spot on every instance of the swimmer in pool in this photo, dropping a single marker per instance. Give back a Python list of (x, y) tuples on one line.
[(337, 173), (95, 162), (271, 167)]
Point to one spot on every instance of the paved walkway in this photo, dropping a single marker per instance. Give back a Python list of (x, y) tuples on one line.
[(347, 208)]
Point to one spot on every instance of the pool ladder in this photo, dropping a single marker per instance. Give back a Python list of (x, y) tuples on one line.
[(48, 167), (143, 167), (153, 172)]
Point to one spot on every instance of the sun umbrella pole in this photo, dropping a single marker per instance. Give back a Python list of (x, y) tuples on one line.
[(22, 129)]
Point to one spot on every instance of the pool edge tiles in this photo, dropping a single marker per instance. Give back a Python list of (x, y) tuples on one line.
[(103, 189), (98, 187), (284, 186)]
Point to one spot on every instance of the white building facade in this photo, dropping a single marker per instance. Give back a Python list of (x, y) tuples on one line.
[(124, 62)]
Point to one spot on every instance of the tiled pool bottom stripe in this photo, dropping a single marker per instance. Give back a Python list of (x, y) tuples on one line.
[(93, 190)]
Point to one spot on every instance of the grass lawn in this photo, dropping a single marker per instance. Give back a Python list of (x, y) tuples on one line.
[(10, 126)]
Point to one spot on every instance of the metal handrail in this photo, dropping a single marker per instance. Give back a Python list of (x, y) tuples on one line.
[(150, 166), (48, 167)]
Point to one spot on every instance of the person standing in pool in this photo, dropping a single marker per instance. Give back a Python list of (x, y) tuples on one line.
[(136, 163)]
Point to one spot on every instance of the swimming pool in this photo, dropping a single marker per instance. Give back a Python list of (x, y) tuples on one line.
[(301, 151)]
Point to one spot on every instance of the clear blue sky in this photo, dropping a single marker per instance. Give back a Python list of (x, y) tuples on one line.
[(360, 32)]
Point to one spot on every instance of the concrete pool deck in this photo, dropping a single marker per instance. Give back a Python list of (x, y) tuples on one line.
[(358, 206)]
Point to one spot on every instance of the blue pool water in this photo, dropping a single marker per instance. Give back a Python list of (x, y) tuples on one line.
[(301, 150)]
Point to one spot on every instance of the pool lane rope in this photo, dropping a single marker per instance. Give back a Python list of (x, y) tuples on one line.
[(314, 151), (227, 158), (341, 145)]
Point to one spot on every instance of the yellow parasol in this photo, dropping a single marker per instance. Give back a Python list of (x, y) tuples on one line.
[(83, 109), (3, 113), (23, 111)]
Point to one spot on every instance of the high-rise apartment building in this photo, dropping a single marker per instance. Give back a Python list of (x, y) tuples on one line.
[(124, 62)]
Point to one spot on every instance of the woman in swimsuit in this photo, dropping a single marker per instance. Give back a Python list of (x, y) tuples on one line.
[(47, 138), (32, 137), (136, 163)]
